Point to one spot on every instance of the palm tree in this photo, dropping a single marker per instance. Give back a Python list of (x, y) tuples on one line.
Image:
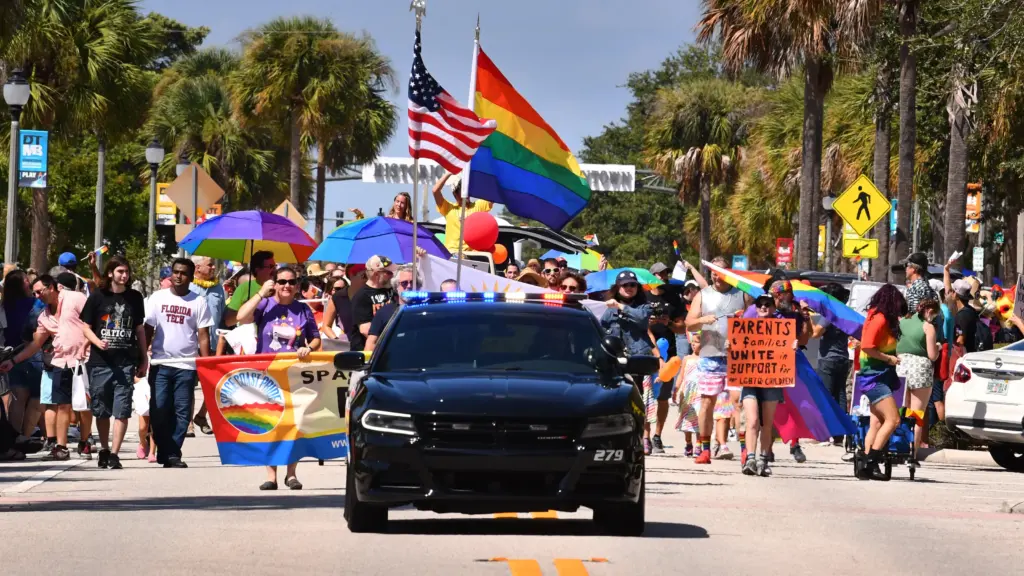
[(908, 129), (193, 116), (304, 75), (695, 135)]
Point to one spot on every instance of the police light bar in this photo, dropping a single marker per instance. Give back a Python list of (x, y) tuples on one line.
[(553, 298)]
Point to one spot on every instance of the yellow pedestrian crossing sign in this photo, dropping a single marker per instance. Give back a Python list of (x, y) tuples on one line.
[(863, 247), (862, 205)]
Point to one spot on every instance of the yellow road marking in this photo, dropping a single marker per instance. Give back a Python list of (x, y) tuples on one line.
[(564, 566), (507, 515), (548, 514), (570, 567), (524, 568)]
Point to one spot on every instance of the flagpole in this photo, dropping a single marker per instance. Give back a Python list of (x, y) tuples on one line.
[(471, 102), (421, 10)]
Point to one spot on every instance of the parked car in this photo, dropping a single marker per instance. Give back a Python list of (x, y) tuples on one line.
[(986, 402)]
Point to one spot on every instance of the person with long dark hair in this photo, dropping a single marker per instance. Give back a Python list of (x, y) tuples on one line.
[(627, 317), (877, 375), (113, 319), (22, 309)]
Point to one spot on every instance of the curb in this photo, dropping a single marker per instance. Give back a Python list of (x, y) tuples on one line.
[(959, 457)]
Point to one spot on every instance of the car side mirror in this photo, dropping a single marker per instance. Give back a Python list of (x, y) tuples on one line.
[(614, 346), (643, 365), (350, 361)]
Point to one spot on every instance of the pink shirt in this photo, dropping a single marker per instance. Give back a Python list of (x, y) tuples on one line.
[(69, 342)]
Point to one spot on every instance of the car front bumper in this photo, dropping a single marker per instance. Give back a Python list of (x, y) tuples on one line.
[(398, 470)]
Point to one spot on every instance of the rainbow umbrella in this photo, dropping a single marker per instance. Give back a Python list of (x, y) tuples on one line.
[(589, 260), (839, 314), (356, 242), (604, 279), (238, 235)]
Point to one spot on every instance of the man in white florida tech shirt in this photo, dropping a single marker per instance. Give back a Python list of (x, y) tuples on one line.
[(179, 321)]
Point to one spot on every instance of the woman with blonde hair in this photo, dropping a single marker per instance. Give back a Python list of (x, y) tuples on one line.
[(401, 207)]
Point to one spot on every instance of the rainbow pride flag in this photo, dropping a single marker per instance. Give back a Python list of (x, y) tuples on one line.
[(837, 313), (809, 410), (523, 164), (272, 409)]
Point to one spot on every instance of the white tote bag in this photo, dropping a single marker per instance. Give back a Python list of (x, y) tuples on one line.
[(80, 399)]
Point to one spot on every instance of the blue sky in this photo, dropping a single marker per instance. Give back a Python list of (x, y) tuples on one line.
[(569, 58)]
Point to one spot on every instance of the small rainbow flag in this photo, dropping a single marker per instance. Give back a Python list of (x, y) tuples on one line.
[(272, 409), (101, 250), (523, 164)]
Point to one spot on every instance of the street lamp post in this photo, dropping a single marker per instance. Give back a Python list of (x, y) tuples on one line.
[(154, 155), (180, 169), (16, 94)]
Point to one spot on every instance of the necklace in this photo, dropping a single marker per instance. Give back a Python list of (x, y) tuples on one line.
[(207, 284)]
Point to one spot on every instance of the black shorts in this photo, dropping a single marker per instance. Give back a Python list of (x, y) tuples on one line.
[(60, 393), (665, 394)]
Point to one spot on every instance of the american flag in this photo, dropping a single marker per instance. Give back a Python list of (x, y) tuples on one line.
[(439, 128)]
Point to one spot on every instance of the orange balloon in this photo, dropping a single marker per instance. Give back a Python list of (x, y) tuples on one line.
[(499, 253), (670, 369)]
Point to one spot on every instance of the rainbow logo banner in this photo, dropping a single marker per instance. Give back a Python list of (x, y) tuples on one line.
[(272, 409), (523, 164)]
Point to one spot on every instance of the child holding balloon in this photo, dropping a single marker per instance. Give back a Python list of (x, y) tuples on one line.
[(687, 395)]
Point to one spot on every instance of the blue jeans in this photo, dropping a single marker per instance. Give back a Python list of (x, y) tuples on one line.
[(683, 348), (170, 408)]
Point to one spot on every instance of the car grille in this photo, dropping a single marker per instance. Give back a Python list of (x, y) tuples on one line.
[(499, 432)]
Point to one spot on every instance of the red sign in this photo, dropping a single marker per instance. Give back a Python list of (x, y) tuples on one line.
[(783, 251)]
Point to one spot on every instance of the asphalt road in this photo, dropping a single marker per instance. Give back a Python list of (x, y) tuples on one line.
[(810, 518)]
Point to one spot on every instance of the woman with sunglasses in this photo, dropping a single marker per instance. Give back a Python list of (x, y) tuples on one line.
[(283, 324), (627, 317), (572, 283)]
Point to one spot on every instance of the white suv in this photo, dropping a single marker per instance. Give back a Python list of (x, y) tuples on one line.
[(986, 402)]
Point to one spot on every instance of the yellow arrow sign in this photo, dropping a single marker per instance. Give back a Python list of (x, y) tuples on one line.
[(863, 247), (862, 205)]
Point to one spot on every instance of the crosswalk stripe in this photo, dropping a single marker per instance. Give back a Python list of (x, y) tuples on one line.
[(548, 514)]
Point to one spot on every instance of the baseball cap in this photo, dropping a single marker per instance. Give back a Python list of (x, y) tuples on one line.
[(962, 288), (919, 259), (625, 277), (67, 280), (379, 263), (764, 299), (658, 268), (67, 260), (691, 284), (936, 284)]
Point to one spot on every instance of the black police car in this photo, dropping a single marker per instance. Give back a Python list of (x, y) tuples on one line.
[(482, 403)]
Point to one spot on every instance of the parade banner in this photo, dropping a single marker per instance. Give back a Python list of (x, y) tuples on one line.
[(761, 353), (273, 409), (32, 158)]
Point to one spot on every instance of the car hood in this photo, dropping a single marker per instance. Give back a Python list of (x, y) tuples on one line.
[(499, 394)]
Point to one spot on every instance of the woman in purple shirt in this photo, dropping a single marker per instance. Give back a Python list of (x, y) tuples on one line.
[(283, 324)]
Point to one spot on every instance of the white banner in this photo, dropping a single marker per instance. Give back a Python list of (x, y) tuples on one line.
[(436, 270)]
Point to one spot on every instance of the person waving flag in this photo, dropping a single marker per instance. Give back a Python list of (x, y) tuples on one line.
[(440, 129)]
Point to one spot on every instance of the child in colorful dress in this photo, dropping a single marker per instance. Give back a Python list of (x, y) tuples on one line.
[(687, 395)]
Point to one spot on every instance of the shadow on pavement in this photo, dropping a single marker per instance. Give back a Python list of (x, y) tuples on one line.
[(294, 501), (532, 527)]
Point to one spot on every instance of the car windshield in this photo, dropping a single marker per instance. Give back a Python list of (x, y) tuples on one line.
[(457, 337)]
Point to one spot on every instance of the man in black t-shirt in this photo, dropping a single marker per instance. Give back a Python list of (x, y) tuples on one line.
[(371, 298), (113, 317), (965, 330), (401, 282)]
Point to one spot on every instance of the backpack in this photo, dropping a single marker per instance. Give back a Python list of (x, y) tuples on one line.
[(983, 336)]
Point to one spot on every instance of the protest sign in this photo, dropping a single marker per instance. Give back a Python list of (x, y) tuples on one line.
[(761, 353)]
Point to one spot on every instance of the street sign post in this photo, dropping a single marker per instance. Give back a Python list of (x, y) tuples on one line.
[(978, 260), (32, 160), (862, 247), (783, 251), (862, 205)]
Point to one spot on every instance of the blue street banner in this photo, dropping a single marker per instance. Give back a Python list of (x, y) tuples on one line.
[(739, 262), (32, 158), (892, 218)]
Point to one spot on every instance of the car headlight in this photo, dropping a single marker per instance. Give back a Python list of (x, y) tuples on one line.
[(609, 426), (388, 422)]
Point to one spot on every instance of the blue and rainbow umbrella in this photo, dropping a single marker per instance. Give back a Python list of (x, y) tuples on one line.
[(356, 242)]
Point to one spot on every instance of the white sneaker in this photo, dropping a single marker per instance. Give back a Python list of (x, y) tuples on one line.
[(721, 452)]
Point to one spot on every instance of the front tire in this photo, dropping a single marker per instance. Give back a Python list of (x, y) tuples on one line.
[(1009, 457), (360, 516), (624, 519)]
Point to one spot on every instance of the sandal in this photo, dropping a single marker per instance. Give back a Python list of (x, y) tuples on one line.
[(268, 485), (293, 483), (204, 425)]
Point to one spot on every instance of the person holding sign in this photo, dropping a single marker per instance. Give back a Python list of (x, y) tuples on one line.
[(759, 402), (877, 375)]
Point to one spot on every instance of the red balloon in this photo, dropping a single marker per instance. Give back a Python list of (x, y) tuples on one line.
[(481, 231), (499, 253)]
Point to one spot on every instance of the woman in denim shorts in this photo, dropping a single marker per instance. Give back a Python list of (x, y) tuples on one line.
[(878, 376)]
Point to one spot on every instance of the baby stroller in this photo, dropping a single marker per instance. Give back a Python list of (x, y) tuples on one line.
[(901, 444)]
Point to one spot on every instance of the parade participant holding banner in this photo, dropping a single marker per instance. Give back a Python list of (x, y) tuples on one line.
[(372, 297), (708, 313), (283, 324), (401, 283), (877, 376), (759, 402)]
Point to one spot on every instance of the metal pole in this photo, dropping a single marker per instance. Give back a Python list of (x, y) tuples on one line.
[(10, 242), (465, 173), (151, 232), (101, 185), (195, 195), (827, 252), (415, 221)]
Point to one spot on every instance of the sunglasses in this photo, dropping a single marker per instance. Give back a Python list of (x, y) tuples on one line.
[(570, 287), (766, 305), (292, 282), (405, 283), (633, 285), (550, 270)]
